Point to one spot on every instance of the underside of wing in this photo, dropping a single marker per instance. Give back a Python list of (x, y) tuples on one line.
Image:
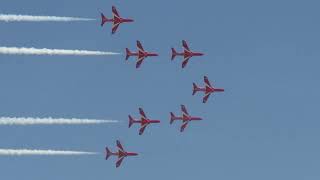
[(115, 27), (139, 46), (184, 110), (185, 45), (184, 125), (139, 62), (142, 129), (115, 12), (185, 62), (207, 82), (143, 115), (119, 145), (118, 163), (206, 97)]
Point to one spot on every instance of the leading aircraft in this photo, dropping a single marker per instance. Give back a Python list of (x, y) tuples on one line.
[(208, 89), (144, 121), (185, 118), (121, 154), (141, 54), (187, 54), (116, 20)]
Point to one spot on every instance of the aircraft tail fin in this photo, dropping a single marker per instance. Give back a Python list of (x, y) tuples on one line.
[(104, 19), (172, 117), (131, 121), (128, 53), (174, 54), (108, 153), (195, 89)]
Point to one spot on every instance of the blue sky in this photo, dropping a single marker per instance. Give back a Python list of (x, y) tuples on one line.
[(265, 125)]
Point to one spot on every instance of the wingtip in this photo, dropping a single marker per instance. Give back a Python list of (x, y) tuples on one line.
[(183, 65)]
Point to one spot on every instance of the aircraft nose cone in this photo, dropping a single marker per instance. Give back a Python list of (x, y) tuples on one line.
[(155, 121), (153, 54)]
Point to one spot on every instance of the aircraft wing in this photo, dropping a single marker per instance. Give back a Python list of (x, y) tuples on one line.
[(139, 62), (139, 46), (143, 115), (115, 12), (119, 145), (206, 81), (185, 62), (118, 163), (184, 125), (142, 129), (115, 27), (206, 97), (185, 45), (184, 110)]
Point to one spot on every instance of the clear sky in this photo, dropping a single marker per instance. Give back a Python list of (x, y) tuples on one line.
[(264, 53)]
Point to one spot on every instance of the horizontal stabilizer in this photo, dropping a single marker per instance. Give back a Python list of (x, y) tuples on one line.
[(103, 19), (195, 89), (128, 53), (172, 117), (131, 121), (174, 53), (108, 153)]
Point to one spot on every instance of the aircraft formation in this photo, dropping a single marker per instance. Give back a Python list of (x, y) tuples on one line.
[(141, 55)]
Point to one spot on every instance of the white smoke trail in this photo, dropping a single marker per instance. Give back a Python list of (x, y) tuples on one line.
[(34, 51), (51, 121), (29, 152), (28, 18)]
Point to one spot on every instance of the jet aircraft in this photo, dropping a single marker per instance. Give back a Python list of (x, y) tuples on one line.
[(187, 54), (121, 154), (185, 118), (141, 54), (208, 89), (144, 121), (116, 20)]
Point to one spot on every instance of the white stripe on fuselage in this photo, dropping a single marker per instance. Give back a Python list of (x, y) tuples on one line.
[(141, 58), (144, 125), (115, 16), (115, 24), (121, 150)]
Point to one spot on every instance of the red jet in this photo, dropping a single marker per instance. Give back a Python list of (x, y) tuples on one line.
[(207, 90), (141, 54), (121, 154), (116, 20), (187, 53), (186, 118), (144, 121)]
